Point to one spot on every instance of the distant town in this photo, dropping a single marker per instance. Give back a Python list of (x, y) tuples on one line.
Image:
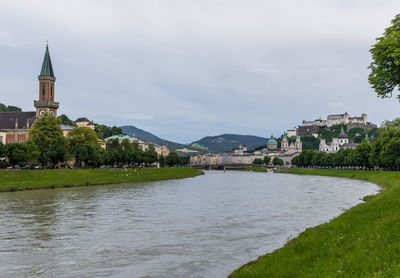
[(328, 135)]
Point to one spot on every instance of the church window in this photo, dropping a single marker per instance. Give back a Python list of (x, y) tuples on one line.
[(43, 87), (51, 90)]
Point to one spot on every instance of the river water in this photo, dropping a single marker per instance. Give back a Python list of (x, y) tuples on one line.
[(199, 227)]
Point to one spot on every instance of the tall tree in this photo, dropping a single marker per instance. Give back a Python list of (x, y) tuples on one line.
[(64, 120), (385, 66), (46, 134)]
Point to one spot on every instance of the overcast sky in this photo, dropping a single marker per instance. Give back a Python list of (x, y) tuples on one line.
[(188, 69)]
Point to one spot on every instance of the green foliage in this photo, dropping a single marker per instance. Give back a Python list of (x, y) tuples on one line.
[(329, 133), (4, 108), (26, 180), (48, 137), (16, 153), (310, 143), (104, 131), (64, 120), (173, 159), (277, 161), (83, 136), (267, 159), (258, 161), (385, 66)]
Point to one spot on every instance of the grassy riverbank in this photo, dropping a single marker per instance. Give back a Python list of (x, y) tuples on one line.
[(255, 169), (362, 242), (40, 179)]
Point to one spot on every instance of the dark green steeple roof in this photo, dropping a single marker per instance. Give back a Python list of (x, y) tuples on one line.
[(47, 68)]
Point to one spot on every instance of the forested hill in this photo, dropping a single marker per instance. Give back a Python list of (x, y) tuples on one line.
[(149, 137), (227, 142), (5, 108)]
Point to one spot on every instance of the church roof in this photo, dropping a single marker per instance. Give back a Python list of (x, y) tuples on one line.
[(8, 119), (47, 68), (272, 141), (342, 135)]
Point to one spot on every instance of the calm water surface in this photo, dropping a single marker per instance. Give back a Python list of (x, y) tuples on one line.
[(200, 227)]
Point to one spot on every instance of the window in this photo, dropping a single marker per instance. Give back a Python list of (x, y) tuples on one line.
[(1, 139), (21, 141), (43, 88), (51, 92), (10, 141)]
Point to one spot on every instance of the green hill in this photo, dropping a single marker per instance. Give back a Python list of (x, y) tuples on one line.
[(227, 142)]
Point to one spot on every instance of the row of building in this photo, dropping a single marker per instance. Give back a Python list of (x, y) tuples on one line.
[(161, 150), (241, 156)]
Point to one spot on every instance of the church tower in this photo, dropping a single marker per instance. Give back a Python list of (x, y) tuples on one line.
[(46, 103)]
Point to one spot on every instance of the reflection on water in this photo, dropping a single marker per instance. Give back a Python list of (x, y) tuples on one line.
[(202, 227)]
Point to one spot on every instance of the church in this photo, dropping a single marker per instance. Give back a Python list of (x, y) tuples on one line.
[(14, 126)]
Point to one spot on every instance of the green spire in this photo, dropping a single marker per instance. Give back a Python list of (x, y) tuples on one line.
[(342, 130), (47, 69)]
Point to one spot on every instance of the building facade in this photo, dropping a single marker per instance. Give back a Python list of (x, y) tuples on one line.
[(341, 142), (14, 126), (339, 119)]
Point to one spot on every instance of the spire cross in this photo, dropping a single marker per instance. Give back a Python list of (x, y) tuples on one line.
[(47, 43)]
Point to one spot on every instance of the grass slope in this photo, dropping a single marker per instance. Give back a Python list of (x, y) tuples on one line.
[(255, 169), (40, 179), (362, 242)]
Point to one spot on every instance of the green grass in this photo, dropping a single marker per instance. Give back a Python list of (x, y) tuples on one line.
[(255, 169), (362, 242), (12, 180)]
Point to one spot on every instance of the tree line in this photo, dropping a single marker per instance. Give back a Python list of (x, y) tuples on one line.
[(48, 146), (383, 152)]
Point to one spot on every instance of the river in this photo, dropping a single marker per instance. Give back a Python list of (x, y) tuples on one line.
[(206, 226)]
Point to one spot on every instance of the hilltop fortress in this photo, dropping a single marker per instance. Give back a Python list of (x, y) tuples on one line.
[(310, 128), (339, 119)]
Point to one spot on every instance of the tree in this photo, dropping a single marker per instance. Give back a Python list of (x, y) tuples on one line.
[(277, 161), (362, 154), (267, 159), (46, 133), (150, 155), (310, 143), (16, 153), (32, 151), (4, 108), (385, 66), (64, 120), (257, 161), (173, 159), (83, 135)]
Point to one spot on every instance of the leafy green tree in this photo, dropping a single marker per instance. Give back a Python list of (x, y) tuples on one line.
[(64, 120), (267, 159), (385, 66), (16, 153), (83, 135), (310, 143), (362, 154), (277, 161), (32, 151), (151, 155), (390, 155), (4, 108), (2, 150), (173, 159), (46, 134), (257, 161)]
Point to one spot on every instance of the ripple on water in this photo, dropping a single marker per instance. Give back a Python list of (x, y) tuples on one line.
[(202, 227)]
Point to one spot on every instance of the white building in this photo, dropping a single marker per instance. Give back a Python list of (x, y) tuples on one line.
[(339, 119), (341, 142)]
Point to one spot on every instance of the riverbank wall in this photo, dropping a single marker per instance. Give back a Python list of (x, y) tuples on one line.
[(16, 180), (362, 242)]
